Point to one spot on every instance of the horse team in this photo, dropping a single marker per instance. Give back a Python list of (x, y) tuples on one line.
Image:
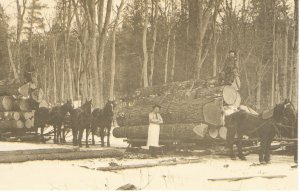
[(283, 120), (81, 119)]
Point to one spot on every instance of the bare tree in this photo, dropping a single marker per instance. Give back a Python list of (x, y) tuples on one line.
[(144, 41), (113, 51)]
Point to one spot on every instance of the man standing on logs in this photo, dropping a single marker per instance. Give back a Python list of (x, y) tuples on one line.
[(230, 74), (155, 120)]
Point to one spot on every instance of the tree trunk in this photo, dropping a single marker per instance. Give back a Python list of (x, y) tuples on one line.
[(20, 22), (102, 39), (12, 64), (273, 61), (167, 56), (113, 52), (295, 56), (285, 62), (152, 52), (173, 57), (54, 70), (63, 82), (144, 41)]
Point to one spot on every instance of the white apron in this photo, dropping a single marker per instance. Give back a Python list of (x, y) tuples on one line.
[(153, 135), (153, 130)]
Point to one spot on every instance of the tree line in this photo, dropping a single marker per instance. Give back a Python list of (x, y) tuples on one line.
[(103, 49)]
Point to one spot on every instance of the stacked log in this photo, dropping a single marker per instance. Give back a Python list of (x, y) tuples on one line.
[(182, 108), (6, 103), (11, 124), (183, 132)]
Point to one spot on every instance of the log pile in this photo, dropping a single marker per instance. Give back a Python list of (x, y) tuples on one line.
[(16, 111), (184, 106)]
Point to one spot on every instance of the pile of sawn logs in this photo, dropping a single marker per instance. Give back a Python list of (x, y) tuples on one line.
[(185, 107), (15, 113)]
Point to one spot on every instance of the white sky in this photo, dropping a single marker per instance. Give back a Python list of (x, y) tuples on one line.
[(11, 10)]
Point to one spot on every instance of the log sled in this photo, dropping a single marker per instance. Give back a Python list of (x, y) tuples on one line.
[(192, 111)]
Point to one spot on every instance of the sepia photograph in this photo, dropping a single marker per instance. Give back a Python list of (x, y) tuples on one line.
[(149, 95)]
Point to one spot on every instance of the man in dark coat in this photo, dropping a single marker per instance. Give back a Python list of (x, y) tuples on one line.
[(230, 72)]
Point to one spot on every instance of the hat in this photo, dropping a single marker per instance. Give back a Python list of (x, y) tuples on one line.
[(156, 106)]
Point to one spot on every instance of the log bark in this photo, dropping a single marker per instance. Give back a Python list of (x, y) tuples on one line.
[(167, 131), (162, 163), (176, 107), (62, 156), (11, 124)]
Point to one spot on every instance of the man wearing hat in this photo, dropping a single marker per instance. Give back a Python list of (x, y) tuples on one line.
[(155, 120), (230, 74)]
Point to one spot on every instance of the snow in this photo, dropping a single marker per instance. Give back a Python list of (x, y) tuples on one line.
[(71, 175)]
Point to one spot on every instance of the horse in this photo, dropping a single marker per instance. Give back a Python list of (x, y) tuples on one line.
[(244, 123), (80, 121), (44, 116), (102, 119), (56, 118)]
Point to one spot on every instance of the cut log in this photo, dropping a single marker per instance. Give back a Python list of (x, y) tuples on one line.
[(9, 89), (183, 132), (12, 115), (162, 163), (213, 132), (84, 154), (28, 123), (27, 115), (11, 124), (38, 151), (6, 103), (247, 177), (22, 105), (186, 111), (223, 132)]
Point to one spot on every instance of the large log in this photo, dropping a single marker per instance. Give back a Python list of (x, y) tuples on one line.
[(9, 89), (84, 154), (23, 105), (11, 124), (6, 103), (186, 111), (183, 132)]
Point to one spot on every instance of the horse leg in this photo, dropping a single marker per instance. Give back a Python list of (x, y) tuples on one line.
[(55, 134), (80, 137), (268, 145), (230, 142), (108, 135), (239, 146), (102, 136), (93, 138), (74, 133), (262, 150), (87, 132), (42, 134)]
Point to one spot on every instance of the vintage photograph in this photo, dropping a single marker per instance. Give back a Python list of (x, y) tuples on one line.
[(149, 95)]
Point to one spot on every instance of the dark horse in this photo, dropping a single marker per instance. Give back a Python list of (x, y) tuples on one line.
[(80, 121), (102, 119), (44, 116), (244, 123)]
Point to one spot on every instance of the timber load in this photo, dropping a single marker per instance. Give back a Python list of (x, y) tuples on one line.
[(191, 111), (17, 104)]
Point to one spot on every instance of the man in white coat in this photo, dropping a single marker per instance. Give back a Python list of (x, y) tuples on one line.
[(155, 120)]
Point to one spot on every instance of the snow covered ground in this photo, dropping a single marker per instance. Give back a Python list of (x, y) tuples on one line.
[(71, 174)]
